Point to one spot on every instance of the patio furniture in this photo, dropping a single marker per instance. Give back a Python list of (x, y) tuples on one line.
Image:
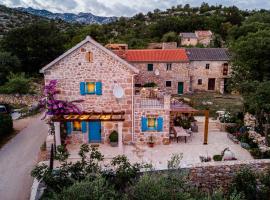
[(180, 132)]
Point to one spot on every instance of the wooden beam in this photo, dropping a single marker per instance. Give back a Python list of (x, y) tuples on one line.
[(206, 122)]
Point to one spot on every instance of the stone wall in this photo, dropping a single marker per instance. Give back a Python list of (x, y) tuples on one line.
[(198, 71), (27, 100), (189, 41), (215, 175), (178, 73), (76, 68), (164, 112)]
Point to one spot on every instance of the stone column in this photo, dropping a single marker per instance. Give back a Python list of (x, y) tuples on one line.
[(120, 136), (57, 133), (167, 102)]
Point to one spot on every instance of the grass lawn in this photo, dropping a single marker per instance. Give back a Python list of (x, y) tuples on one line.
[(228, 102)]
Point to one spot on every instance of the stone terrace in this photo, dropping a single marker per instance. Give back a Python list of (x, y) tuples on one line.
[(160, 154)]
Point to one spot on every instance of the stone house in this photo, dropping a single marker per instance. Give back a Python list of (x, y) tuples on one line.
[(105, 83), (188, 39), (204, 37), (198, 37), (209, 69), (168, 68)]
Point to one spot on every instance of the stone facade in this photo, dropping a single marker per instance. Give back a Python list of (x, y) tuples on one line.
[(152, 110), (179, 72), (199, 71), (75, 68), (27, 100), (215, 175), (189, 41)]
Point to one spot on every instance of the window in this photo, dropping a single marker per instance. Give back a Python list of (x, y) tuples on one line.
[(207, 66), (169, 66), (168, 84), (151, 123), (89, 56), (150, 67), (77, 126), (225, 69), (199, 81), (91, 88)]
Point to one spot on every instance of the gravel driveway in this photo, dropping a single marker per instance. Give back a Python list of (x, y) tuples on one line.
[(17, 159)]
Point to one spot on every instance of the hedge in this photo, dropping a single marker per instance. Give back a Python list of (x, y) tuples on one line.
[(6, 124)]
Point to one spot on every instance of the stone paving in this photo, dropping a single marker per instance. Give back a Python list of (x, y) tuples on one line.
[(160, 154)]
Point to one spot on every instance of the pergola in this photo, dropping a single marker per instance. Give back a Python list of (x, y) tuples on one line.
[(91, 116), (180, 107)]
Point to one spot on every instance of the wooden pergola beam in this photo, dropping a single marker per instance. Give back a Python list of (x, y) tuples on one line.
[(206, 123)]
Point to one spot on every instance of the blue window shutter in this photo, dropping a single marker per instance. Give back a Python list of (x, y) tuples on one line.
[(84, 128), (98, 88), (160, 124), (82, 88), (144, 124), (69, 128)]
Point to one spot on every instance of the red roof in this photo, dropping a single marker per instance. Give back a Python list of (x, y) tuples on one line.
[(154, 55)]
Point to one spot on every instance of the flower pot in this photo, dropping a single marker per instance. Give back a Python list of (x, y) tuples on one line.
[(151, 145), (114, 144)]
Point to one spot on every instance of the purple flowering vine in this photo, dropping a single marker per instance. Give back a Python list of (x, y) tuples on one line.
[(54, 106)]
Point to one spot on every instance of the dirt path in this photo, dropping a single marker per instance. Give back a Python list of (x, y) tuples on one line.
[(18, 157)]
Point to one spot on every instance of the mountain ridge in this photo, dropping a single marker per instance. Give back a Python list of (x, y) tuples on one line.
[(81, 18)]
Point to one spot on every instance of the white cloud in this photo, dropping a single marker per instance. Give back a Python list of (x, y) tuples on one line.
[(125, 7)]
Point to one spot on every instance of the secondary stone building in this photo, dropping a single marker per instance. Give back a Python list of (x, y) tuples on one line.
[(168, 68), (209, 69), (203, 37)]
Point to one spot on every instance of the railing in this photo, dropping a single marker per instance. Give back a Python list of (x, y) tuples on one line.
[(151, 103)]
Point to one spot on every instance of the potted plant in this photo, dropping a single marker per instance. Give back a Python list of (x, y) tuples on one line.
[(151, 141), (114, 138)]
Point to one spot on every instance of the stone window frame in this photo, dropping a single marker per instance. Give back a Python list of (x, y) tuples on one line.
[(225, 69), (170, 85), (207, 66), (199, 81), (168, 66), (150, 67)]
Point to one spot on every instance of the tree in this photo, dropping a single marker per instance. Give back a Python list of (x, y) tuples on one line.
[(170, 37), (35, 45), (8, 63)]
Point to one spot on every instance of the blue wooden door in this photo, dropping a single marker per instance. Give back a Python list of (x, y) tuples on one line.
[(94, 131)]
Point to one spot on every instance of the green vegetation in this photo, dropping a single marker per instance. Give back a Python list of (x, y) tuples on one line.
[(85, 179), (230, 103), (113, 136), (17, 83), (6, 125)]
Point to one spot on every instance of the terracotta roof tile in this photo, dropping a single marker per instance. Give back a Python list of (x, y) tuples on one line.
[(154, 55)]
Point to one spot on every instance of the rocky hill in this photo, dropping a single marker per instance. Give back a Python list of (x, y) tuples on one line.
[(81, 18)]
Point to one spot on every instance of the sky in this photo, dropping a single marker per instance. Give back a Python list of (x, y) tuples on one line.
[(125, 7)]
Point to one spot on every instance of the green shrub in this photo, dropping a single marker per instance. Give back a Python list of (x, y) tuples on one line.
[(217, 157), (6, 124), (256, 153), (113, 136), (98, 189), (150, 84), (231, 129), (245, 182), (17, 83)]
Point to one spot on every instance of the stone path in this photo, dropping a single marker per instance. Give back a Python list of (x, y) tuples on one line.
[(17, 159)]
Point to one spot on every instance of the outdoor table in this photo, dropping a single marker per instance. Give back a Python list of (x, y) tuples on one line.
[(180, 132)]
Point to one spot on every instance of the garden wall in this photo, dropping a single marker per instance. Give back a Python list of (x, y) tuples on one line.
[(20, 99), (215, 175)]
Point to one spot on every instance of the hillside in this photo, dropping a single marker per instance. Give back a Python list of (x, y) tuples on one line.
[(12, 18), (81, 18)]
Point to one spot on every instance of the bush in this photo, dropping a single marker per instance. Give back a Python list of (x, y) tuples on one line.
[(217, 157), (98, 189), (6, 124), (256, 153), (17, 83), (113, 136), (231, 129), (150, 84), (245, 182)]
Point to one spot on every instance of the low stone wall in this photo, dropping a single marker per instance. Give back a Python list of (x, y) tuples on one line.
[(19, 99), (215, 175)]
